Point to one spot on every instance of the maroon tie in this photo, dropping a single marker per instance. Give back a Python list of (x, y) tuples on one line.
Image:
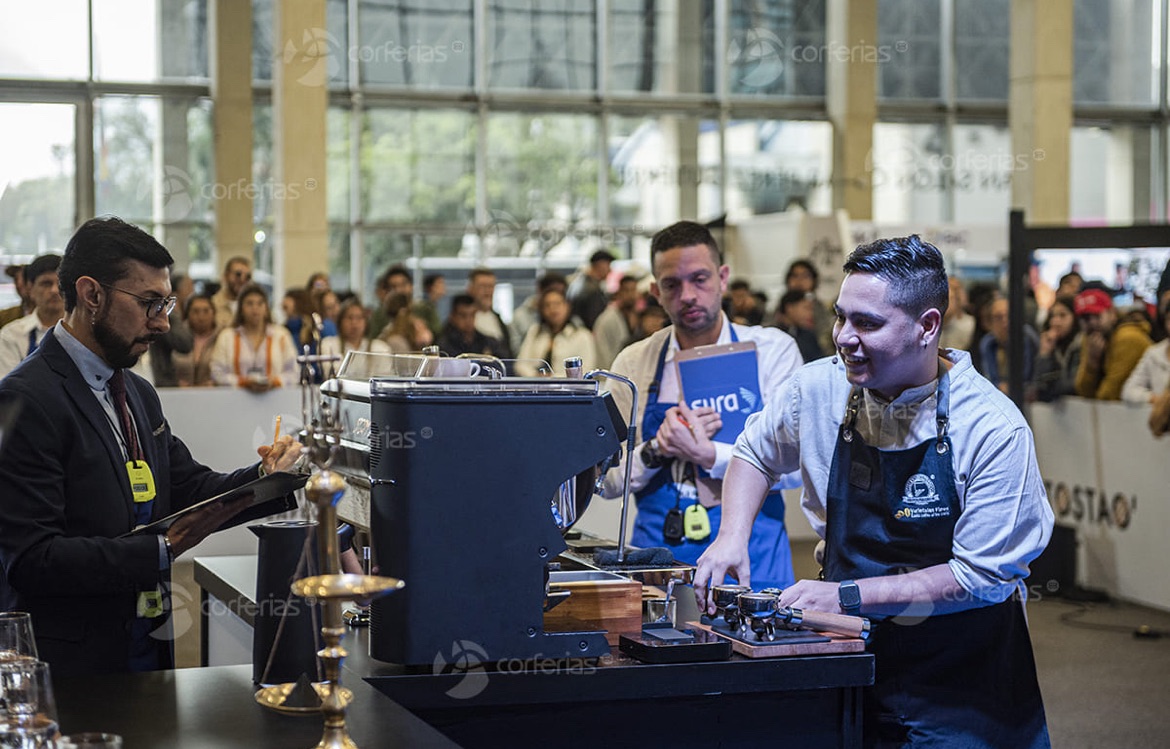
[(117, 385)]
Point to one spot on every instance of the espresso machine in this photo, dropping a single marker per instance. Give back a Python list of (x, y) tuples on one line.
[(472, 477)]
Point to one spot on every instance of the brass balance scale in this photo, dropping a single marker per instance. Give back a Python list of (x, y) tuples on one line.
[(332, 588)]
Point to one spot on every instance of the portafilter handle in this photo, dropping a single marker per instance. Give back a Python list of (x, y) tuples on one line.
[(823, 621), (631, 443)]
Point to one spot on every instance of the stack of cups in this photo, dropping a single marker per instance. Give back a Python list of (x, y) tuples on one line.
[(28, 712)]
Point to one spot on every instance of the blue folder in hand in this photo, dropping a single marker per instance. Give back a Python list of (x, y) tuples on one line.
[(724, 376)]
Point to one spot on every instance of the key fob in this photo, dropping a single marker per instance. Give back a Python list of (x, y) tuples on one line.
[(672, 527)]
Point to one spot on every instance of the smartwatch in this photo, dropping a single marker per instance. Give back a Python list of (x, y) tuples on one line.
[(651, 458), (849, 596)]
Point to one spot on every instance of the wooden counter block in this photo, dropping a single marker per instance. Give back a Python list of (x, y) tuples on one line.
[(613, 604), (836, 644)]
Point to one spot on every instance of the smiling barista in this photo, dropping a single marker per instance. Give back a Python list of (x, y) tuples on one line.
[(921, 478), (677, 469)]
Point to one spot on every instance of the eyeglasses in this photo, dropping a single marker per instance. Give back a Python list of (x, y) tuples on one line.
[(153, 306)]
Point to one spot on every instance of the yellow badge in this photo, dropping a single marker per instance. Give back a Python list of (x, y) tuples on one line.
[(697, 523), (150, 604), (141, 480)]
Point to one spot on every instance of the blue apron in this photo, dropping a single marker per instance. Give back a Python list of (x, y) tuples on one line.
[(966, 679), (768, 547)]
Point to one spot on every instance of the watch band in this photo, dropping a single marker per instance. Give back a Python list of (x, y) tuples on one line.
[(849, 597)]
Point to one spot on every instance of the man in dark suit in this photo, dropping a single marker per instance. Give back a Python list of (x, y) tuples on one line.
[(84, 465)]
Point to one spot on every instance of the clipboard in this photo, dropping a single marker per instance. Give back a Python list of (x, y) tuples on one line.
[(724, 376), (267, 495)]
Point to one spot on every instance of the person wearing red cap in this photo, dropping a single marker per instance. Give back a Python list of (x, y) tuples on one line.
[(1111, 349)]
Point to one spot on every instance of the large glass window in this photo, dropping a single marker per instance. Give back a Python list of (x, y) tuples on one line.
[(418, 166), (1116, 50), (982, 48), (550, 45), (1111, 174), (421, 44), (774, 165), (153, 167), (541, 181), (37, 185), (910, 181), (149, 40), (46, 39), (330, 46), (910, 32), (666, 48), (658, 164), (778, 47)]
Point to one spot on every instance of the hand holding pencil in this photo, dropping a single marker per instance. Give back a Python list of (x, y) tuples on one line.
[(282, 454)]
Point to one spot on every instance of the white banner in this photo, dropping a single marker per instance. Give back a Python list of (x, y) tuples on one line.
[(1108, 478)]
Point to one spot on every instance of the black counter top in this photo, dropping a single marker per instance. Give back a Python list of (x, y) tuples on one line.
[(209, 708)]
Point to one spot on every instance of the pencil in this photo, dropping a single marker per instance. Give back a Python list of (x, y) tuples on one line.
[(276, 435)]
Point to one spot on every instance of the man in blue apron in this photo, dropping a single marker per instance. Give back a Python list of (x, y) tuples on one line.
[(677, 469), (921, 478)]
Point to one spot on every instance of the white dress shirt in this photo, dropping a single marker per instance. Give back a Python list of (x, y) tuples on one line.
[(14, 340)]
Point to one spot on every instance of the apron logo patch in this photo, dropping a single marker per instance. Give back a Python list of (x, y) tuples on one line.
[(920, 500)]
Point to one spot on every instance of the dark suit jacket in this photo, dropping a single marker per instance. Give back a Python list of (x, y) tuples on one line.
[(64, 500)]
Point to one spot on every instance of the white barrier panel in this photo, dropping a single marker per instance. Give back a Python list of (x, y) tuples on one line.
[(222, 427), (1108, 478)]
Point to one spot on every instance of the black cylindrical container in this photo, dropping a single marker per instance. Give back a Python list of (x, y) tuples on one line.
[(282, 543)]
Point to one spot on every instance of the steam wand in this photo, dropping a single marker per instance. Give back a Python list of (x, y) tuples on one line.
[(631, 443)]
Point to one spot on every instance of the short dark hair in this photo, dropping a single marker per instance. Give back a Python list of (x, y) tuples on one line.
[(914, 270), (739, 285), (40, 266), (481, 271), (102, 248), (601, 255), (430, 279), (684, 234), (462, 300), (807, 265), (393, 270), (1069, 276), (549, 280)]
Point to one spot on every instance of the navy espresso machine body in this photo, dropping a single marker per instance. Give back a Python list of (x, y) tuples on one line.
[(461, 474)]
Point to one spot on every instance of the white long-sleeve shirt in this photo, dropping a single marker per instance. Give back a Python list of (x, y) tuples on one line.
[(234, 360), (1150, 377), (1005, 519), (777, 357)]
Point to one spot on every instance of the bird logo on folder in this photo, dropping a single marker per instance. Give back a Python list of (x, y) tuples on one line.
[(724, 376)]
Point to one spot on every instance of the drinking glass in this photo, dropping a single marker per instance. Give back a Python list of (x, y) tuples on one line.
[(28, 712), (16, 637)]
